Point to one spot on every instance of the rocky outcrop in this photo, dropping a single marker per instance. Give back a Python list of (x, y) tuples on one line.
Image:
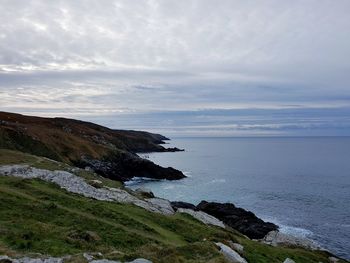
[(6, 259), (237, 247), (288, 260), (203, 217), (112, 153), (124, 166), (162, 205), (276, 238), (244, 221), (138, 260), (145, 192), (176, 205), (78, 185), (230, 254)]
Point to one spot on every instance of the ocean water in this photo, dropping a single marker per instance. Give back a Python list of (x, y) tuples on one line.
[(302, 184)]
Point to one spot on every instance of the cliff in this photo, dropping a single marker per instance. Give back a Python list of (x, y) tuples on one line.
[(111, 153)]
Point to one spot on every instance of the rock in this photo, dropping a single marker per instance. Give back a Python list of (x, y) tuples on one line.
[(162, 205), (288, 260), (174, 149), (124, 166), (178, 204), (230, 254), (88, 256), (244, 221), (145, 192), (6, 259), (139, 260), (333, 259), (276, 238), (203, 217), (237, 247), (78, 185), (96, 183)]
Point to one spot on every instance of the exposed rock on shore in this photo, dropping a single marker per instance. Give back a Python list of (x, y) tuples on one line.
[(203, 217), (244, 221), (275, 238), (78, 185), (178, 204), (6, 259), (112, 153), (124, 166)]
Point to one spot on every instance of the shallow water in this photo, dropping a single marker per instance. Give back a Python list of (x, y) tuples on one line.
[(302, 184)]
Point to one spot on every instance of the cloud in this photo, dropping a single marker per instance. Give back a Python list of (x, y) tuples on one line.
[(102, 57)]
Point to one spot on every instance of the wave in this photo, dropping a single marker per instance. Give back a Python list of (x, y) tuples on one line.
[(290, 230)]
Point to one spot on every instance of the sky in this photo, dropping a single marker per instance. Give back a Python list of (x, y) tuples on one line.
[(181, 68)]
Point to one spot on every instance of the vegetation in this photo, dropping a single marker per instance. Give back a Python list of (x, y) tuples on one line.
[(39, 217), (67, 140)]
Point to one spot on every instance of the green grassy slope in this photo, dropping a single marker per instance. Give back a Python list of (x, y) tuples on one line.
[(39, 217)]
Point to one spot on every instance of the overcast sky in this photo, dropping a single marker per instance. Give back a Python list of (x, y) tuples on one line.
[(181, 67)]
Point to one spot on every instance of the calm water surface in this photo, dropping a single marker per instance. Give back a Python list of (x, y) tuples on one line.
[(302, 184)]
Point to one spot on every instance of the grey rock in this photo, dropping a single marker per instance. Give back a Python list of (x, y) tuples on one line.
[(145, 192), (333, 259), (288, 260), (276, 238), (139, 260), (32, 260), (203, 217), (237, 247), (78, 185), (230, 254), (162, 205)]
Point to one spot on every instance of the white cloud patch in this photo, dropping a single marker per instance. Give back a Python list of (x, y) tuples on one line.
[(103, 57)]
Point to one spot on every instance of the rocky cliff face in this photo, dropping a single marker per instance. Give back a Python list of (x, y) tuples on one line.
[(240, 219), (112, 153)]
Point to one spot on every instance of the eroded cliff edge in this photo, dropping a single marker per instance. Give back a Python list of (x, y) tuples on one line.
[(111, 153)]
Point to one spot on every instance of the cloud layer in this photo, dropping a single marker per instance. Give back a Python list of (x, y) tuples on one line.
[(282, 66)]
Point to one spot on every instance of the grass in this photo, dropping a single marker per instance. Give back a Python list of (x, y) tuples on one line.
[(39, 217)]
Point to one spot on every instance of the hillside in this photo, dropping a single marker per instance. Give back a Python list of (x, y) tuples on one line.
[(112, 153), (40, 217)]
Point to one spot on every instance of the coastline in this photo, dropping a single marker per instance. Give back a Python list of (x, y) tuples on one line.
[(91, 164), (198, 184)]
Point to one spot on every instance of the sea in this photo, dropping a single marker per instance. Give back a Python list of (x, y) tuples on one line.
[(302, 184)]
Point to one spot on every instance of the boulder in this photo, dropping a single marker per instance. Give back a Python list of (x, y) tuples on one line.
[(243, 221), (333, 259), (237, 247), (161, 205), (6, 259), (145, 192), (138, 260), (124, 166), (288, 260), (276, 238), (78, 185), (203, 217), (230, 254), (179, 204)]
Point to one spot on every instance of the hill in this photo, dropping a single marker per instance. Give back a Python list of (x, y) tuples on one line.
[(112, 153), (38, 219)]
